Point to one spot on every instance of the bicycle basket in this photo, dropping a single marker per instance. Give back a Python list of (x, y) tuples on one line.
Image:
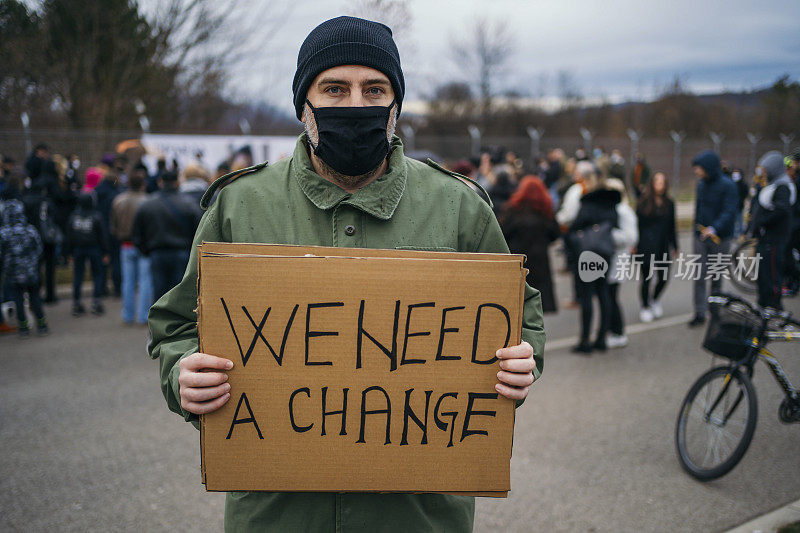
[(730, 329)]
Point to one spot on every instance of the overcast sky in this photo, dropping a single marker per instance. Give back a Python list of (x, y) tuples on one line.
[(616, 49)]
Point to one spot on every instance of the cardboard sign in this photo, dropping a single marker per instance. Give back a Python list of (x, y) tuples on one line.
[(358, 370)]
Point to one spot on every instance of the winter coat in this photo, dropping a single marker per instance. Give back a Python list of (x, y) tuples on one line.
[(772, 220), (528, 232), (412, 206), (166, 220), (717, 197), (657, 232), (20, 246), (123, 211), (597, 206), (85, 230), (625, 237)]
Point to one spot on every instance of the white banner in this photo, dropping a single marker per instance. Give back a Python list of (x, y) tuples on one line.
[(211, 150)]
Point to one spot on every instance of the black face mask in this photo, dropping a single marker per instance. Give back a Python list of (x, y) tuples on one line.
[(352, 140)]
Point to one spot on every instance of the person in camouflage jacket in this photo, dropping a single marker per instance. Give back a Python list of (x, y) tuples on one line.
[(20, 249)]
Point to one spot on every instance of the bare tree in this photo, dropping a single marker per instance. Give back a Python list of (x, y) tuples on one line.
[(394, 13), (568, 90), (484, 56)]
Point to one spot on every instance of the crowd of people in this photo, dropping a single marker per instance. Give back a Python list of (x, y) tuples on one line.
[(132, 228), (593, 203)]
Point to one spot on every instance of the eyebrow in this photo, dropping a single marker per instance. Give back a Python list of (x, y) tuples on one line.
[(338, 81)]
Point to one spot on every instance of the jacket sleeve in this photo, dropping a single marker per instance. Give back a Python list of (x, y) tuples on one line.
[(781, 208), (173, 319), (730, 203), (113, 218), (491, 241), (570, 206), (627, 235)]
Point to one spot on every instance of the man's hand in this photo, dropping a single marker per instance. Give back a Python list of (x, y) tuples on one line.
[(516, 371), (202, 389)]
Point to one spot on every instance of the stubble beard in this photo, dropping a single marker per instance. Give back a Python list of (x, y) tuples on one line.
[(343, 180)]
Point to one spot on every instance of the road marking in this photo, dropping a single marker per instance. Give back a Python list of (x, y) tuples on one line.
[(641, 327)]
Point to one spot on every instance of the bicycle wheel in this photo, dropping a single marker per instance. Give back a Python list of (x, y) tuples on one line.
[(743, 256), (716, 423)]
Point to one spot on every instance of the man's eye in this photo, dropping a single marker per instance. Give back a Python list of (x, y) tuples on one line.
[(375, 90), (334, 90)]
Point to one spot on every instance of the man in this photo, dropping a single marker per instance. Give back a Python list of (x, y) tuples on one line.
[(163, 228), (715, 212), (791, 267), (135, 266), (35, 161), (348, 90), (772, 226)]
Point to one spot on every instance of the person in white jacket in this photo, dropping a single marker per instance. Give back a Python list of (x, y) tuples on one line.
[(626, 236)]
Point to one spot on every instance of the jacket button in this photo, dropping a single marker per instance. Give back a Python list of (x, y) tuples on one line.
[(349, 230)]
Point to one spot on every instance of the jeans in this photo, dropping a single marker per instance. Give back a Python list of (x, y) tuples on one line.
[(616, 322), (80, 255), (135, 273), (770, 274), (167, 268), (660, 275), (34, 299), (599, 288), (704, 248)]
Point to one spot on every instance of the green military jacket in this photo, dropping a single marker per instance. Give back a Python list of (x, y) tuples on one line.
[(412, 206)]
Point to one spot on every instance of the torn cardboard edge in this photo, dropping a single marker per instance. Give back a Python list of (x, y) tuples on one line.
[(252, 250)]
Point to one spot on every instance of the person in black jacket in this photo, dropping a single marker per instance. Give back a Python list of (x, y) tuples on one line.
[(105, 192), (715, 212), (597, 206), (163, 229), (529, 227), (772, 224), (657, 240), (86, 241)]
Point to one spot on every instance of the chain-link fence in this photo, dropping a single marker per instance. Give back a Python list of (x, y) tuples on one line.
[(659, 153)]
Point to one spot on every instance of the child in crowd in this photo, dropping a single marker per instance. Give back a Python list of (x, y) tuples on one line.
[(20, 248), (86, 242)]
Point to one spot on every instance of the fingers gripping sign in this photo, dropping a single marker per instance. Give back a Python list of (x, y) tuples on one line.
[(516, 371), (203, 383)]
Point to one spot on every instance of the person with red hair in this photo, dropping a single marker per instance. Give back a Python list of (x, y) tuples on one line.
[(529, 227)]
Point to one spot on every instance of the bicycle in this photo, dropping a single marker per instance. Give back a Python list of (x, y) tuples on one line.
[(717, 419)]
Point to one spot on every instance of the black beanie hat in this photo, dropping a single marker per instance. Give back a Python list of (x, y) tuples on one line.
[(347, 41)]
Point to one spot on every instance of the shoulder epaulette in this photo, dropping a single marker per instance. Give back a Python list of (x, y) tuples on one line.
[(222, 181), (462, 178)]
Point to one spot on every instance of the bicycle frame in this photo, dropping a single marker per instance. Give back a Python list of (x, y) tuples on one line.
[(769, 359)]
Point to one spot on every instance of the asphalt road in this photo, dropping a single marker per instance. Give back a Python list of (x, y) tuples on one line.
[(88, 444)]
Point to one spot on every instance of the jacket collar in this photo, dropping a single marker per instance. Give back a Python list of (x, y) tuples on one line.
[(379, 198)]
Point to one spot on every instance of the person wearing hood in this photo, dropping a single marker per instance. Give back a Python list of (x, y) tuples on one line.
[(714, 217), (86, 241), (347, 184), (20, 249), (771, 225)]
